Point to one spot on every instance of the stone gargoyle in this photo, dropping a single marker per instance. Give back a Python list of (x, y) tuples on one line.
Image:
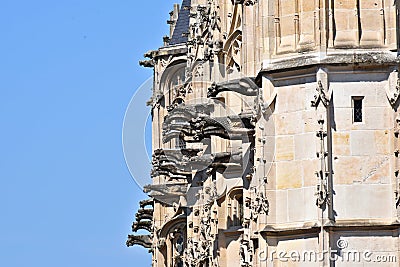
[(141, 240), (217, 161), (171, 162), (144, 214), (167, 193), (146, 202), (194, 126), (142, 224), (244, 86)]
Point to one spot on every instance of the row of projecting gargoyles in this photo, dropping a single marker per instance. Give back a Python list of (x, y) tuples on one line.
[(144, 221)]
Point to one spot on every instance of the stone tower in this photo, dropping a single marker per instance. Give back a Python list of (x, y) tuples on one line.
[(275, 135)]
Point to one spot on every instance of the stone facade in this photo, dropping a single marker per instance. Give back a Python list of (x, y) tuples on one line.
[(275, 134)]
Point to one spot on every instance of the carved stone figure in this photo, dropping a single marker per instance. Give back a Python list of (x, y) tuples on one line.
[(171, 163), (142, 224), (193, 126), (141, 240), (244, 86)]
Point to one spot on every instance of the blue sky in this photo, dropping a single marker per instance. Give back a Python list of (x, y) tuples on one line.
[(68, 71)]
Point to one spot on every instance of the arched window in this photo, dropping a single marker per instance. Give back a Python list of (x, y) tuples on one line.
[(235, 208)]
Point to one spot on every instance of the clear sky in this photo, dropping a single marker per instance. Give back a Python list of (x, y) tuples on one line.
[(68, 71)]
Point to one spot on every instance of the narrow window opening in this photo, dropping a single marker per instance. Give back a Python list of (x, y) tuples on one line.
[(357, 109), (241, 213), (235, 209)]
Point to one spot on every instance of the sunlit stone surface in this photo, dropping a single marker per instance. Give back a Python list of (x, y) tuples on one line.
[(256, 146)]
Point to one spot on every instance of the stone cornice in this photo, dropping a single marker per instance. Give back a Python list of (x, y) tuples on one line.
[(153, 55), (170, 50), (339, 225), (355, 57)]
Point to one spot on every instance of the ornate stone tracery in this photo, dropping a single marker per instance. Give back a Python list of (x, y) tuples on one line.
[(204, 42), (202, 246), (233, 43), (259, 205)]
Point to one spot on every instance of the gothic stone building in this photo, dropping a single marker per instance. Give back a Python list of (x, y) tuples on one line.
[(275, 133)]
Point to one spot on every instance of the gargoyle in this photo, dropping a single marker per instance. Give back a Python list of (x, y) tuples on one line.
[(142, 224), (245, 86), (141, 240), (147, 63), (217, 161), (186, 112), (172, 162), (176, 123), (144, 214), (167, 193), (202, 125), (231, 128)]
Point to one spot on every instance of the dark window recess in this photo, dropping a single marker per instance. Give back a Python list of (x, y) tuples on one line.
[(357, 109), (241, 213), (180, 143)]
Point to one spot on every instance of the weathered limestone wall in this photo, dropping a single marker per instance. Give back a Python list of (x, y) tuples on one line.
[(362, 164), (362, 155), (292, 178)]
